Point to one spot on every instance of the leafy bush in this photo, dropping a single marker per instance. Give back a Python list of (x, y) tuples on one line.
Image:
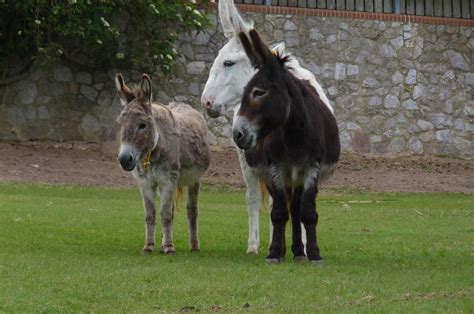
[(84, 31)]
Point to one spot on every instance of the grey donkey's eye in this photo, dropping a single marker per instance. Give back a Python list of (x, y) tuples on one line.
[(228, 64), (142, 126)]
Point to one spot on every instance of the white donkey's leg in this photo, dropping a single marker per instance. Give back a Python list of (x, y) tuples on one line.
[(303, 236), (254, 202), (270, 225), (193, 212), (148, 196), (166, 212)]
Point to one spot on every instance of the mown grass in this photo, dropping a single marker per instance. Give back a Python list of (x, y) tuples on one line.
[(79, 249)]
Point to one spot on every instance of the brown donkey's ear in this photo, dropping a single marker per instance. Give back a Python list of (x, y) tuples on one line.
[(261, 48), (254, 59), (146, 88), (123, 89)]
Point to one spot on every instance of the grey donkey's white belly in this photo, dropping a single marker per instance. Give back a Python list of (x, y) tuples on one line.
[(161, 176), (190, 176)]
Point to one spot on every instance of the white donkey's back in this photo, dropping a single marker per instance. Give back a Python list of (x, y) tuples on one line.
[(303, 74)]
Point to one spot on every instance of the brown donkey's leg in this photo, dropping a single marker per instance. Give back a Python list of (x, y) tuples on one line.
[(193, 212), (166, 212), (295, 209), (148, 195), (309, 215), (279, 216)]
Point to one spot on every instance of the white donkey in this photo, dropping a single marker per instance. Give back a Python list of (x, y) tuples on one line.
[(224, 88)]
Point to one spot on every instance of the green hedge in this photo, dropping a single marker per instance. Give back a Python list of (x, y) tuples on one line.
[(83, 31)]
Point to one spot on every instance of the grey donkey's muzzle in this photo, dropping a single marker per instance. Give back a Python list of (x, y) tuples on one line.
[(127, 157)]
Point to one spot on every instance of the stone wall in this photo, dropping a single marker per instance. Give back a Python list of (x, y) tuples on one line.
[(395, 87)]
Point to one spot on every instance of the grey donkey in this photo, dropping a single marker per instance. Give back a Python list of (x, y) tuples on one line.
[(166, 148)]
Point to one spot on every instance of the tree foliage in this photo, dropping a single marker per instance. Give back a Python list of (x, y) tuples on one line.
[(91, 32)]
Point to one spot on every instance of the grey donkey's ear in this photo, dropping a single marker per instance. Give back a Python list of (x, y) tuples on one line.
[(146, 88), (123, 89)]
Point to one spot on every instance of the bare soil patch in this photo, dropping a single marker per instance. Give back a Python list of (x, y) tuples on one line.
[(86, 164)]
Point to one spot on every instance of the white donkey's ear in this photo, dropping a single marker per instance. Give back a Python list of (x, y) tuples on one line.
[(232, 21), (225, 19), (279, 49), (146, 88)]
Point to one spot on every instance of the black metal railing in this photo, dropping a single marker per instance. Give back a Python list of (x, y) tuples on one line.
[(441, 8)]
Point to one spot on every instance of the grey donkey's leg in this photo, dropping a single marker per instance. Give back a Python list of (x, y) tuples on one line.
[(148, 195), (193, 212), (166, 212)]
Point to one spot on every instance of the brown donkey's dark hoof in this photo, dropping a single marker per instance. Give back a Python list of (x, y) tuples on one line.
[(318, 260), (273, 260), (300, 259)]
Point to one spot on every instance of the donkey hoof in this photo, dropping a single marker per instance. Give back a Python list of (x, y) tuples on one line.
[(271, 260), (252, 250), (167, 250), (300, 258), (275, 259), (147, 249), (317, 262), (194, 245)]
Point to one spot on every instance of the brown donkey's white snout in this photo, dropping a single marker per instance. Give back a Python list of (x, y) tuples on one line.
[(244, 134)]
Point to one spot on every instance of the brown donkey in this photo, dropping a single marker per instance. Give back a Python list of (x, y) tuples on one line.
[(291, 139), (166, 148)]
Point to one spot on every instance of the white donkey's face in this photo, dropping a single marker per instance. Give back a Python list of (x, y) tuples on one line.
[(229, 74)]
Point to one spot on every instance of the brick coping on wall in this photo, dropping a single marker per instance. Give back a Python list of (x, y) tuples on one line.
[(353, 14)]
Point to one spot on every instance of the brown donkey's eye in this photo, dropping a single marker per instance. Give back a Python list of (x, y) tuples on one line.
[(258, 93), (142, 126)]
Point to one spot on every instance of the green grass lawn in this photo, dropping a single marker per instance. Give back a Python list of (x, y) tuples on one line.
[(79, 249)]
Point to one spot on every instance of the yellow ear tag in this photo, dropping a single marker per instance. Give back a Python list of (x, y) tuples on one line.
[(274, 51), (147, 161)]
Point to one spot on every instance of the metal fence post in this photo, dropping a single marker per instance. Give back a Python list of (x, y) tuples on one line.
[(396, 6)]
